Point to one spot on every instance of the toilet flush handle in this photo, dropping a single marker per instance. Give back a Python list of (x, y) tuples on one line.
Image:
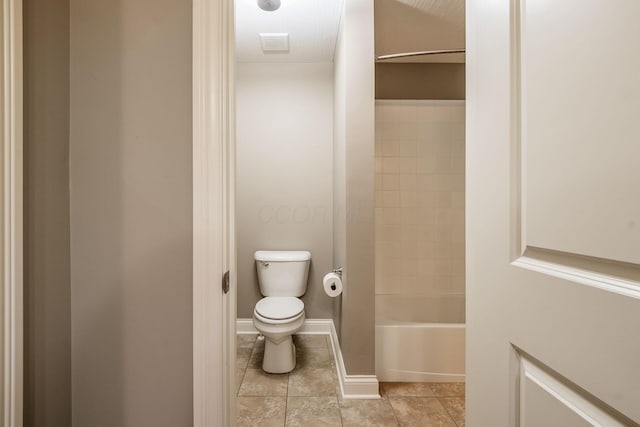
[(265, 264)]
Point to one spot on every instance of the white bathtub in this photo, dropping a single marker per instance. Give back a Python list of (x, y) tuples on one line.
[(420, 338)]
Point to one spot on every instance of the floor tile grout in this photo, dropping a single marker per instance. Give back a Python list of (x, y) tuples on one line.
[(447, 410), (335, 394), (394, 413), (244, 371), (286, 402)]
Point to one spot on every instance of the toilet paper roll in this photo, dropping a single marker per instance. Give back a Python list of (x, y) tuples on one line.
[(332, 284)]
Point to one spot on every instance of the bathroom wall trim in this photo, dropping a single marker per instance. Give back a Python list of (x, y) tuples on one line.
[(351, 386), (11, 230), (436, 102), (311, 326), (213, 212)]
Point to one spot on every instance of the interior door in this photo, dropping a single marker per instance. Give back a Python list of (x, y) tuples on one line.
[(553, 212)]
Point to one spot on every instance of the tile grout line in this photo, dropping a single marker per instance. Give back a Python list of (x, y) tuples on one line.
[(335, 392), (391, 406), (334, 370), (286, 405), (447, 410), (244, 371), (286, 396), (335, 386), (316, 350), (394, 414), (439, 399)]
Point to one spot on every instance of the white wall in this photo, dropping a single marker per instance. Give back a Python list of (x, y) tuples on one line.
[(284, 172), (420, 198)]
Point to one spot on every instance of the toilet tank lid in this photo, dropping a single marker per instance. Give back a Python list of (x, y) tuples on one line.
[(282, 255)]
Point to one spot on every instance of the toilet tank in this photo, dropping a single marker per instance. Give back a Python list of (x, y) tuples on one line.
[(282, 273)]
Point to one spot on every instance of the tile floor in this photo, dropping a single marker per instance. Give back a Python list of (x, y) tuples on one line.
[(310, 395)]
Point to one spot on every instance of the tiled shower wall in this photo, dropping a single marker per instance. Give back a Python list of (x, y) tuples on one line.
[(419, 199)]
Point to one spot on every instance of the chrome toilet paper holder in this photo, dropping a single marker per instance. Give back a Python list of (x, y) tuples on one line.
[(337, 271)]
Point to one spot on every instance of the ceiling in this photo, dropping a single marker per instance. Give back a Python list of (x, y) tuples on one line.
[(312, 26), (417, 25)]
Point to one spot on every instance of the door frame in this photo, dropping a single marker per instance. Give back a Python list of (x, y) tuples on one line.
[(11, 265), (214, 312), (213, 213)]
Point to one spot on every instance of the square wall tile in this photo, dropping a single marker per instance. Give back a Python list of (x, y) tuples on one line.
[(420, 197), (390, 182)]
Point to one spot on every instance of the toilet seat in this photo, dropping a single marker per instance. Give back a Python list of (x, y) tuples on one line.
[(278, 310)]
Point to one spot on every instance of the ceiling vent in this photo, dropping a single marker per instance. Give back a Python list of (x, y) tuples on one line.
[(274, 42)]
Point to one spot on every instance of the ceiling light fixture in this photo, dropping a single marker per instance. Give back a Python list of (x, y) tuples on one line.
[(269, 5)]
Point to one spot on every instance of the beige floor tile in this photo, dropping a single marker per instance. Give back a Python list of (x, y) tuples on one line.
[(245, 340), (336, 383), (257, 355), (317, 357), (260, 411), (239, 375), (367, 413), (448, 389), (313, 358), (407, 389), (242, 358), (313, 412), (312, 382), (310, 395), (259, 344), (420, 412), (256, 382), (328, 340), (244, 352), (310, 341), (242, 362), (455, 407)]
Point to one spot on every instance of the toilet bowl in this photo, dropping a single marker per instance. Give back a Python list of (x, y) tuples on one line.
[(282, 276), (278, 318)]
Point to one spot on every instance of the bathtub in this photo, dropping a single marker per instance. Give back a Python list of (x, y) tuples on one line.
[(420, 338)]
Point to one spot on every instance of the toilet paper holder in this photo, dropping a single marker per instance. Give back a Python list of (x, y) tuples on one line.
[(332, 282)]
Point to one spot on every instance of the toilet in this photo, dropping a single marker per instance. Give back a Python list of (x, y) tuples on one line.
[(282, 276)]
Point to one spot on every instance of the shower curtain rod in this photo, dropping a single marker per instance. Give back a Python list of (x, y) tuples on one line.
[(419, 53)]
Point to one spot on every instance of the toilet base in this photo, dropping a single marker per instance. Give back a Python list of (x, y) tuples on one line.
[(279, 358)]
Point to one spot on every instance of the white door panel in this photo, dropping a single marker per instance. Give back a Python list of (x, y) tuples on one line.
[(580, 98), (553, 212), (546, 401)]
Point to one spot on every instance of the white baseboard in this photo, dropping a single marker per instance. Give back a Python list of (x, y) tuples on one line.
[(351, 386), (311, 326), (245, 326), (397, 375)]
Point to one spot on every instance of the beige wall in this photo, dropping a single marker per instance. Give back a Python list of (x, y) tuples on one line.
[(284, 148), (339, 231), (420, 162), (47, 311), (354, 185), (410, 26), (420, 81), (131, 213)]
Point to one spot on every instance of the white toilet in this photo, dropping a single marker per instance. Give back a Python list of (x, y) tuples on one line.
[(283, 278)]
